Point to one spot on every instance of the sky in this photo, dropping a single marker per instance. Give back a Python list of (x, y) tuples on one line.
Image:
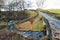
[(51, 4), (48, 4)]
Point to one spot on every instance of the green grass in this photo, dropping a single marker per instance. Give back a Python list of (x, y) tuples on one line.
[(2, 22), (57, 11), (38, 26)]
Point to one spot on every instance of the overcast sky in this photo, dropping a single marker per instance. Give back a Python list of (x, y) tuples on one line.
[(48, 4), (52, 4)]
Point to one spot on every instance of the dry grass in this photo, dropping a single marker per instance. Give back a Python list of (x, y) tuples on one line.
[(36, 26)]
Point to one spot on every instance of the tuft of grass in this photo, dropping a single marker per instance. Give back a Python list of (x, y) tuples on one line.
[(2, 22)]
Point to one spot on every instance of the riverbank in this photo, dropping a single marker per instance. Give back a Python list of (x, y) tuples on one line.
[(53, 13)]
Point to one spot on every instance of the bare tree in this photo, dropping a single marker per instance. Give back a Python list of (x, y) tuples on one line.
[(40, 3), (20, 4), (1, 3), (13, 4), (16, 4)]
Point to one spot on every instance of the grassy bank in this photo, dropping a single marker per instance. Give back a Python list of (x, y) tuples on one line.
[(56, 11), (39, 26), (36, 26)]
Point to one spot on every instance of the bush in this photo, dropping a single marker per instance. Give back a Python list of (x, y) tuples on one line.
[(14, 15)]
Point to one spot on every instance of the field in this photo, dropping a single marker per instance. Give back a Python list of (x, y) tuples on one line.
[(36, 26), (57, 11)]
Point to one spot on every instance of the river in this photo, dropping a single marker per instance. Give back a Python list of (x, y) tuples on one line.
[(36, 35), (53, 20)]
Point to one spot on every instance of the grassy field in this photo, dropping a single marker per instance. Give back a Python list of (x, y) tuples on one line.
[(36, 26), (57, 11)]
